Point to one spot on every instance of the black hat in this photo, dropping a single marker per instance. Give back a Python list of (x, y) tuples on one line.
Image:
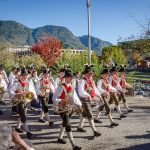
[(43, 67), (68, 73), (45, 71), (88, 69), (121, 69), (62, 70), (1, 66), (18, 69), (30, 67), (113, 69), (105, 70), (24, 72)]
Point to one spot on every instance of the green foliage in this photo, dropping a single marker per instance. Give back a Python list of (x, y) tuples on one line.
[(113, 52), (77, 62), (3, 46), (27, 60), (141, 46), (7, 58)]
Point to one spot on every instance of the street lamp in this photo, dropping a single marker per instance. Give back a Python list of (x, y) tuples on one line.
[(89, 39)]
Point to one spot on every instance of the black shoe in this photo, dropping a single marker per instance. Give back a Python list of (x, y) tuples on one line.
[(14, 113), (93, 105), (1, 113), (51, 123), (77, 148), (81, 130), (96, 133), (97, 121), (114, 124), (122, 116), (19, 130), (55, 113), (129, 110), (2, 103), (115, 109), (42, 120), (29, 135), (62, 141)]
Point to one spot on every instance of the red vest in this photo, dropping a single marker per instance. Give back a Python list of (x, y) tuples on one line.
[(122, 82), (66, 91), (22, 88), (114, 80), (89, 87), (105, 85), (45, 85)]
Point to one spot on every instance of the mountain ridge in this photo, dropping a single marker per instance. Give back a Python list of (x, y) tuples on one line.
[(14, 33)]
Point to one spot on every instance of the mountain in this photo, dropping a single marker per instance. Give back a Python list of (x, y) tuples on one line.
[(96, 44), (14, 33)]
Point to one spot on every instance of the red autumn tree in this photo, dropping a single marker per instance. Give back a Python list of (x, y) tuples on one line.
[(49, 48)]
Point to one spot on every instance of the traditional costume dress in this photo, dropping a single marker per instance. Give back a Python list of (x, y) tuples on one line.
[(3, 88), (67, 100), (87, 91), (104, 85), (103, 88), (3, 83), (44, 87), (20, 90), (59, 79), (124, 85), (13, 78)]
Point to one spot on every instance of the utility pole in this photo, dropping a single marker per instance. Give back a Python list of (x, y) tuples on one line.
[(89, 38)]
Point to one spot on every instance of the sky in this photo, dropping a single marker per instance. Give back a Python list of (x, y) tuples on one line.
[(110, 19)]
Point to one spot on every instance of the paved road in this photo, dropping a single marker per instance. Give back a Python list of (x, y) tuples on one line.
[(133, 133)]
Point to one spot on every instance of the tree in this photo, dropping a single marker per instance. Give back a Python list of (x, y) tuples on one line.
[(48, 48), (3, 46), (136, 56), (8, 59), (113, 52)]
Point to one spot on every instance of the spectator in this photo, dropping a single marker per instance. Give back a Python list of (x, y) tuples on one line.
[(10, 139)]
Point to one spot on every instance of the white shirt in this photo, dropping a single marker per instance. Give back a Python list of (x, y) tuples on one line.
[(82, 92), (14, 87), (74, 99), (57, 82), (38, 88), (117, 87), (101, 90)]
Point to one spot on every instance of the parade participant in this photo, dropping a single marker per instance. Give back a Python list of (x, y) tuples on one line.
[(59, 79), (30, 70), (124, 85), (76, 80), (42, 68), (13, 79), (3, 88), (44, 87), (4, 81), (35, 79), (105, 95), (22, 93), (65, 95), (12, 73), (50, 101), (87, 91), (3, 73), (104, 85)]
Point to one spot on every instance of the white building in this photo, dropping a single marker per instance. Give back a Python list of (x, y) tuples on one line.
[(26, 50)]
